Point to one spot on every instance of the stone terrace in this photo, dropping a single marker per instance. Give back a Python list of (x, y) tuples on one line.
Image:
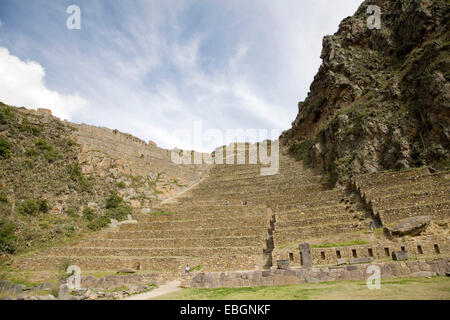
[(208, 226), (394, 196)]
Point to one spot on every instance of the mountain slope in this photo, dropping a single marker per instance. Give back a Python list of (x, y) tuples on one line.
[(380, 99)]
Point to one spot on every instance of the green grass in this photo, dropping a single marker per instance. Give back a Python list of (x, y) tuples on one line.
[(340, 244), (391, 289)]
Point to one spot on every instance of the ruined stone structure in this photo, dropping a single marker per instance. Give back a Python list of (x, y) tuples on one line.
[(379, 101), (209, 226)]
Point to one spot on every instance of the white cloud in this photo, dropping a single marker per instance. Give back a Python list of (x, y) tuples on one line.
[(22, 84), (1, 23)]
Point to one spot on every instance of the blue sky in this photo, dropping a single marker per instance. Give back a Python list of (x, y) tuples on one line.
[(151, 67)]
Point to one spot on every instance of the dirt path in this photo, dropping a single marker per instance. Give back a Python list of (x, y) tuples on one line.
[(164, 289)]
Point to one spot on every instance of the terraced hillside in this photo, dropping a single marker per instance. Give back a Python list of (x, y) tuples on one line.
[(389, 199), (208, 227)]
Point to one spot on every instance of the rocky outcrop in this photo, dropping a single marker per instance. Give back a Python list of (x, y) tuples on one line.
[(380, 99), (412, 226)]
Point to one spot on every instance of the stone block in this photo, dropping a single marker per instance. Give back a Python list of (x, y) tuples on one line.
[(283, 264), (305, 255), (400, 255), (342, 261), (361, 260)]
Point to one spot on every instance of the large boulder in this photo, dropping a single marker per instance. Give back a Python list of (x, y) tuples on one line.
[(412, 226)]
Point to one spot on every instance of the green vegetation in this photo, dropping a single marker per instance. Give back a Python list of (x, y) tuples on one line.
[(391, 289), (161, 213), (47, 150), (5, 114), (114, 200), (88, 214), (77, 176), (197, 268), (121, 185), (5, 148), (116, 208), (27, 127), (340, 244), (8, 238), (3, 198), (33, 207), (98, 223), (302, 151)]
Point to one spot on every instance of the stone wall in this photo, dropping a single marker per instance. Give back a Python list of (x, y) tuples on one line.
[(324, 256), (285, 277)]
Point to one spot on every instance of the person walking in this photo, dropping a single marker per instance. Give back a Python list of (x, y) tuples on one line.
[(188, 269)]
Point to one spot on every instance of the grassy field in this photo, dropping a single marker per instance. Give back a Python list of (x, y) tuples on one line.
[(391, 289)]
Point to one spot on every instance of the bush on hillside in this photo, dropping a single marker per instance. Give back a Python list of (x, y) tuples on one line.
[(3, 198), (5, 148), (8, 238), (98, 223), (114, 200), (5, 114), (33, 207)]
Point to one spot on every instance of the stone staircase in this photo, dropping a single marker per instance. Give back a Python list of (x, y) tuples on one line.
[(394, 196), (208, 226)]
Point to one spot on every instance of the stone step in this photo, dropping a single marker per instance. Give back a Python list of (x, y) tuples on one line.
[(175, 243), (298, 214), (311, 188), (196, 224), (284, 236), (295, 205), (160, 264), (152, 252), (272, 199), (238, 174), (250, 184), (201, 207), (415, 199), (299, 221), (260, 180), (437, 211), (388, 177), (186, 233), (200, 215), (426, 183)]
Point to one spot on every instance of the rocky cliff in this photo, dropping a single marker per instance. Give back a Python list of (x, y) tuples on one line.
[(381, 98)]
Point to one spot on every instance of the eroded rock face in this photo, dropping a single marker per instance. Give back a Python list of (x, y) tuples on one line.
[(412, 226), (381, 98)]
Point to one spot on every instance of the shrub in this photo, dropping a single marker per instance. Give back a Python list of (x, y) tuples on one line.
[(42, 144), (70, 142), (114, 200), (5, 114), (119, 213), (49, 153), (76, 175), (32, 207), (5, 148), (3, 198), (302, 151), (31, 152), (89, 214), (75, 171), (98, 223), (121, 185), (29, 128), (8, 238), (43, 205), (72, 212)]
